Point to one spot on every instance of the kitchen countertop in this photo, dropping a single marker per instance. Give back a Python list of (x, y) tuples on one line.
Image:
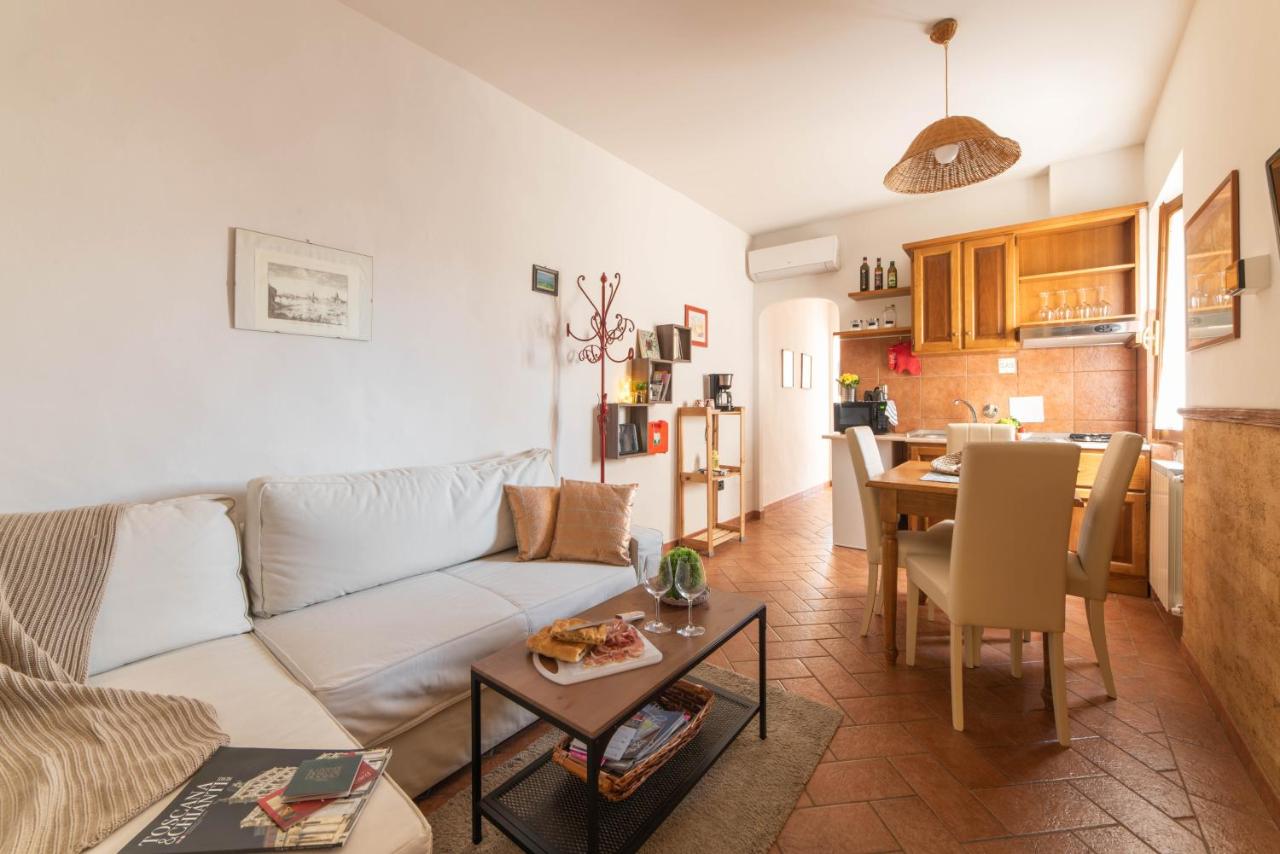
[(942, 440)]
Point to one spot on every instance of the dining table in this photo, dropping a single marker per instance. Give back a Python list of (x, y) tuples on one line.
[(903, 491)]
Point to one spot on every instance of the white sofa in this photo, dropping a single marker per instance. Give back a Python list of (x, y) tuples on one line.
[(368, 596)]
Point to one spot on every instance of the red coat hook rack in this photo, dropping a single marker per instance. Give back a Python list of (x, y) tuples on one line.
[(598, 342)]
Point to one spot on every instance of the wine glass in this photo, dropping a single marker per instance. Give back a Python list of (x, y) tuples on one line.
[(657, 581), (1102, 307), (1062, 312), (689, 584), (1045, 312)]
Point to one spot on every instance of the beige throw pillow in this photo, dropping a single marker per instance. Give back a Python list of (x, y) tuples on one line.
[(534, 511), (594, 522)]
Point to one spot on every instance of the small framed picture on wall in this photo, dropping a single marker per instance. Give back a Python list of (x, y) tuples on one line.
[(696, 319), (788, 369), (546, 281), (806, 371)]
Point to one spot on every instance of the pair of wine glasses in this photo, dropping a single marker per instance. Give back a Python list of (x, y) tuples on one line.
[(660, 576)]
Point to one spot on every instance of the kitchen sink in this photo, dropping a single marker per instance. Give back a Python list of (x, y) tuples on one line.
[(927, 434)]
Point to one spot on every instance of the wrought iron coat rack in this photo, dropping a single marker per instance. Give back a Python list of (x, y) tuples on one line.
[(597, 343)]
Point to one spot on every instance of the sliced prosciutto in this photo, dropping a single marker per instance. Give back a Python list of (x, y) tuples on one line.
[(622, 643)]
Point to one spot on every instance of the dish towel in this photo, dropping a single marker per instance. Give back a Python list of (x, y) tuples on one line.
[(77, 761)]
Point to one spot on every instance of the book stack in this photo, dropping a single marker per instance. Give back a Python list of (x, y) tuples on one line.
[(660, 387), (633, 742)]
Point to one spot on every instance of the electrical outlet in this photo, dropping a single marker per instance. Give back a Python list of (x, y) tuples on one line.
[(1007, 365)]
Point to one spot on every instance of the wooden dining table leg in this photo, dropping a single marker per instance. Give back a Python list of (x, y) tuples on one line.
[(889, 571)]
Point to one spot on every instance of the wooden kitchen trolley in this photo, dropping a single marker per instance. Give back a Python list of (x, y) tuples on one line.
[(710, 477)]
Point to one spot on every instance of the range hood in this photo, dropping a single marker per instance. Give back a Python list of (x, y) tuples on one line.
[(1080, 333)]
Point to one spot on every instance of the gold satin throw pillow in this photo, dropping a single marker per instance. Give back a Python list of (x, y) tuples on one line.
[(594, 522), (534, 510)]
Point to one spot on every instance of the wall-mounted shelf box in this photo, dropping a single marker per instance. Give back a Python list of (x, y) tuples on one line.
[(668, 335), (616, 416), (644, 371)]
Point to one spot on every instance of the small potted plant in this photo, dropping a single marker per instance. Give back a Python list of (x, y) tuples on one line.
[(672, 559), (848, 387)]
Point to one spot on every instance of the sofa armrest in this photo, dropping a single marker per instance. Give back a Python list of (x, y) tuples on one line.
[(644, 542)]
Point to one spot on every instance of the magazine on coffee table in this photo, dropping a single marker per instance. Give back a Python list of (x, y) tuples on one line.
[(218, 811)]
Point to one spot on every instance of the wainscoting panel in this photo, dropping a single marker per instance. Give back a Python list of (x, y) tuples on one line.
[(1231, 560)]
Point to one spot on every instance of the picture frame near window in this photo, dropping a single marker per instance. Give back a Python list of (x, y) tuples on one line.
[(546, 281), (1213, 255), (788, 369), (806, 371), (696, 319), (1273, 184)]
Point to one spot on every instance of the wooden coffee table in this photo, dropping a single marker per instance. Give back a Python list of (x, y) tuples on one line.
[(543, 808)]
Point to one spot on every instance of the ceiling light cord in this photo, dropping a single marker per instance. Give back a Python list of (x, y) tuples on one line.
[(946, 80)]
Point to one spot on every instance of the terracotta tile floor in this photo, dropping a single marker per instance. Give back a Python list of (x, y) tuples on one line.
[(1152, 770)]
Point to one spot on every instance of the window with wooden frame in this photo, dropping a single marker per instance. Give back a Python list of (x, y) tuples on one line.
[(1170, 333)]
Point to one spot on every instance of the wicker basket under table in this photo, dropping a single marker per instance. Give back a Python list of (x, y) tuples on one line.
[(685, 696)]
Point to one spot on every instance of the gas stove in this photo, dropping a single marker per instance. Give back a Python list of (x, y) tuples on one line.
[(1090, 437)]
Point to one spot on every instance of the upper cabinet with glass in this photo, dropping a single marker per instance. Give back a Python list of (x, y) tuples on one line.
[(1213, 254)]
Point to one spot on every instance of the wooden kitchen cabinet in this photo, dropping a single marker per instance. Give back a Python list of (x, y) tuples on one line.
[(935, 310), (975, 291), (989, 293), (965, 295)]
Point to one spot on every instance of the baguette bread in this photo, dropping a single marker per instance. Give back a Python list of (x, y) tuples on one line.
[(544, 643), (572, 631)]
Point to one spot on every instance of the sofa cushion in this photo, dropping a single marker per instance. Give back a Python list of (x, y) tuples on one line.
[(593, 522), (259, 705), (384, 659), (533, 509), (311, 539), (174, 581), (546, 590)]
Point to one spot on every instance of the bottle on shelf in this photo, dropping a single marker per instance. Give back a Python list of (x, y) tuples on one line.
[(890, 316), (879, 276), (864, 276), (891, 278)]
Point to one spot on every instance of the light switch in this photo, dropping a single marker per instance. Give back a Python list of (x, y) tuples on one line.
[(1007, 365)]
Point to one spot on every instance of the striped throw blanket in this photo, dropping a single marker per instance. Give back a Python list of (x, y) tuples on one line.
[(76, 762)]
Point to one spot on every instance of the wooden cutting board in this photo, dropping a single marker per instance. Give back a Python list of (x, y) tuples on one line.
[(566, 673)]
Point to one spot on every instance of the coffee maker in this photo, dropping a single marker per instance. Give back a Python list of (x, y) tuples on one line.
[(718, 389)]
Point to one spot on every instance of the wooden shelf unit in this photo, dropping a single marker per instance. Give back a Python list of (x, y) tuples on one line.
[(884, 293), (716, 532), (862, 334), (643, 370), (626, 413)]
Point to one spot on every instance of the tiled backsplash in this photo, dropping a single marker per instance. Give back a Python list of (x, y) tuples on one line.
[(1085, 389)]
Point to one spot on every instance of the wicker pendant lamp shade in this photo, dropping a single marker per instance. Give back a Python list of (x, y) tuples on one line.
[(955, 151)]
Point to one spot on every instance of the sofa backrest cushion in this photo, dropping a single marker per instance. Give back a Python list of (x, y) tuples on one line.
[(311, 539), (174, 581)]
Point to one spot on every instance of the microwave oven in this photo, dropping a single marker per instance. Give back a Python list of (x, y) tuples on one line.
[(862, 413)]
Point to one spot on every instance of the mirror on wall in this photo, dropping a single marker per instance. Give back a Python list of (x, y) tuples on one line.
[(1213, 255)]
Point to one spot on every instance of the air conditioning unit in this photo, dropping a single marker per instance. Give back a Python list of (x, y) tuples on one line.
[(819, 255)]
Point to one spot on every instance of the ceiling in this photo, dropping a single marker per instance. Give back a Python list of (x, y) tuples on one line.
[(776, 112)]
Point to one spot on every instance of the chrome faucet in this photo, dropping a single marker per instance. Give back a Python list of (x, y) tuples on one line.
[(973, 413)]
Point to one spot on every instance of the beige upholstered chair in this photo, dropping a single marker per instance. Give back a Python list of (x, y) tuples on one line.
[(1089, 566), (959, 435), (1006, 564), (866, 465)]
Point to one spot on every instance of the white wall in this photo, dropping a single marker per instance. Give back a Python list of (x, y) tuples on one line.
[(139, 133), (1104, 180), (793, 455), (1219, 108)]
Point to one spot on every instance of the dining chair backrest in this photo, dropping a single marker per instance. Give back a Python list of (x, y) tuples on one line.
[(1013, 520), (1102, 511), (866, 465), (959, 435)]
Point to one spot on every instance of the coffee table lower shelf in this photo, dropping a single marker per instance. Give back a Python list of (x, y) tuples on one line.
[(543, 808)]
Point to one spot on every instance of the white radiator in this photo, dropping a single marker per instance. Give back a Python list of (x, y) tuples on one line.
[(1166, 533)]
